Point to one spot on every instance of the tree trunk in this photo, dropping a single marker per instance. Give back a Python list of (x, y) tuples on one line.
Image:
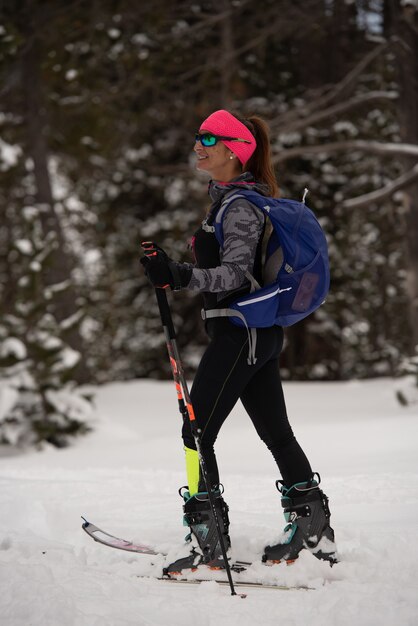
[(60, 267), (405, 27), (226, 60)]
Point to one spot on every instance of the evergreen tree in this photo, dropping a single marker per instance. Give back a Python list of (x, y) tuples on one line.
[(37, 364)]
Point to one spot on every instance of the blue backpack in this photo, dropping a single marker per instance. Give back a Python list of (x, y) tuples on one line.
[(295, 269)]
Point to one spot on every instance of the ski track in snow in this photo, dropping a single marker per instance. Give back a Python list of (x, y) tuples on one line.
[(124, 477)]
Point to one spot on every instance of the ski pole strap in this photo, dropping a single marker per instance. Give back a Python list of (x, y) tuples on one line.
[(165, 313), (251, 332)]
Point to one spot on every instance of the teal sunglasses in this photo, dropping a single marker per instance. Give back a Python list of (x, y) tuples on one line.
[(208, 139)]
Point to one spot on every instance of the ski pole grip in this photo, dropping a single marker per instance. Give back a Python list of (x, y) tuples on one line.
[(165, 312)]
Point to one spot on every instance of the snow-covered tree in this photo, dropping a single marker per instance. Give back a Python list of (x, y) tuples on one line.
[(38, 394)]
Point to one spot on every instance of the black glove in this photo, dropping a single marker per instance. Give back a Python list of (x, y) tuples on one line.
[(162, 271)]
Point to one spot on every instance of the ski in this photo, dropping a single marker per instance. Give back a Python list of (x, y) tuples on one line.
[(111, 541), (107, 539), (238, 584)]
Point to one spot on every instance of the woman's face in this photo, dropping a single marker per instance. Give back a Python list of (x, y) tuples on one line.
[(216, 160)]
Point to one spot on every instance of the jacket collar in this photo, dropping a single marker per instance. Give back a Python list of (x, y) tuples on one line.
[(217, 189)]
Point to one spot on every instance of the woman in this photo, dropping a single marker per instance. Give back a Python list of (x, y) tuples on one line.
[(236, 154)]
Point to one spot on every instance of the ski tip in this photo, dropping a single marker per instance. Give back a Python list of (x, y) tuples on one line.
[(86, 523)]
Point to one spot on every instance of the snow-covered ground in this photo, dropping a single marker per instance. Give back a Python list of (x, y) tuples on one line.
[(124, 477)]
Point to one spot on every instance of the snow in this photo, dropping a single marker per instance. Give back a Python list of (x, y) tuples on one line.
[(124, 477), (30, 213), (71, 74), (8, 398), (9, 155), (69, 403), (24, 246), (68, 359), (12, 346), (114, 33)]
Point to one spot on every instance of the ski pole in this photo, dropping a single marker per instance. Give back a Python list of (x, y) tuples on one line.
[(186, 409)]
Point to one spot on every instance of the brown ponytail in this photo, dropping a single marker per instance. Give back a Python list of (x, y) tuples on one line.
[(260, 164)]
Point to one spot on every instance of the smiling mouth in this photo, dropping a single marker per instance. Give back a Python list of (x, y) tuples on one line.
[(200, 157)]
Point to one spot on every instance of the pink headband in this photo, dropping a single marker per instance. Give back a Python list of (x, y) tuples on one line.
[(224, 123)]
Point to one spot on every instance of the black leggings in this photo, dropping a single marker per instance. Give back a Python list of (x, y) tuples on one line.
[(223, 377)]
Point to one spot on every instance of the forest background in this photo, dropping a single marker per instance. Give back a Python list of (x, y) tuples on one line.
[(99, 103)]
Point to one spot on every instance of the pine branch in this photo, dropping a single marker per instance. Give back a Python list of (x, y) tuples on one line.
[(401, 182), (373, 147), (339, 108), (346, 85)]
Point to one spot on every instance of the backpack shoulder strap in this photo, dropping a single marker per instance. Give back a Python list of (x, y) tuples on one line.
[(219, 218), (251, 196)]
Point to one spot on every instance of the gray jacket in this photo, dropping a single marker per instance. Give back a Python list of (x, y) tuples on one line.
[(242, 228)]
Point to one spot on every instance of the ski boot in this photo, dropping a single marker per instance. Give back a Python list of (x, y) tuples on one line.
[(306, 509), (199, 517)]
